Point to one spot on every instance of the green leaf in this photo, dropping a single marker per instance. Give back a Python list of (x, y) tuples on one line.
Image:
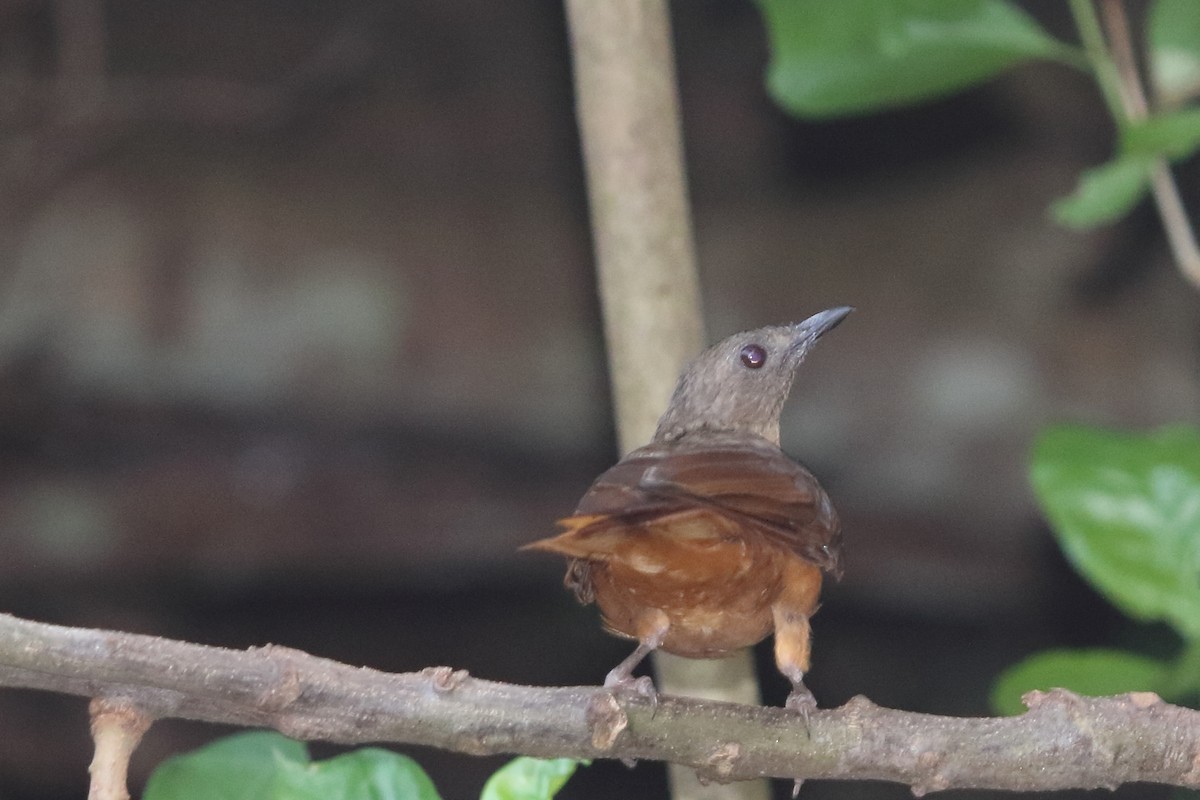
[(1175, 135), (529, 779), (1184, 682), (838, 57), (1110, 190), (240, 767), (1173, 34), (366, 774), (265, 765), (1126, 509), (1104, 193), (1092, 672)]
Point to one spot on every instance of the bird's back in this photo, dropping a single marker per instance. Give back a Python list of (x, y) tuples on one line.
[(707, 529)]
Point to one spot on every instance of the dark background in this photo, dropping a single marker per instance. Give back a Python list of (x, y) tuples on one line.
[(299, 342)]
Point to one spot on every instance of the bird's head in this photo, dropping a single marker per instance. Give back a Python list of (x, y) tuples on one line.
[(741, 383)]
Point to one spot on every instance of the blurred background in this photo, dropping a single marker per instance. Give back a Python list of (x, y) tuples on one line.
[(299, 342)]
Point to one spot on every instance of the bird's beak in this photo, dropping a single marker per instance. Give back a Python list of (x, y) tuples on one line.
[(818, 325)]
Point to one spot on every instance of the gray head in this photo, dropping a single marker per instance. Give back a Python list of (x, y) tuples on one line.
[(740, 383)]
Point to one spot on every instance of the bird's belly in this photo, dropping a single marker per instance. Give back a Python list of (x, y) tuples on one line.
[(716, 592), (712, 633)]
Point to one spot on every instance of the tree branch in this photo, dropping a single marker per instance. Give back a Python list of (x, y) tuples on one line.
[(1063, 741)]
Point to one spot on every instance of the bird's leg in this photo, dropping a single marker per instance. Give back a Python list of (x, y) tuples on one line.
[(651, 635), (621, 676), (797, 602), (792, 642)]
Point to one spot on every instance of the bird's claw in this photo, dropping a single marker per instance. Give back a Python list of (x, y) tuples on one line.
[(802, 700), (643, 687), (625, 683)]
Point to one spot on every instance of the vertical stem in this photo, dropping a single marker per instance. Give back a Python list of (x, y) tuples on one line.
[(628, 115), (1092, 36), (629, 123), (1133, 99), (1180, 235)]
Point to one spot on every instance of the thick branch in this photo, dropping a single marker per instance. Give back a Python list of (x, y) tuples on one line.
[(1063, 741)]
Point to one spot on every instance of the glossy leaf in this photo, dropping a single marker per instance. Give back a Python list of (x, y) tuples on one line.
[(1175, 135), (1126, 510), (1091, 672), (239, 767), (838, 57), (1104, 193), (1173, 44), (366, 774), (1107, 192), (529, 779), (265, 765)]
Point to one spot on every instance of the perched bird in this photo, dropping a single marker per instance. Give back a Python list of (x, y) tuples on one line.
[(709, 538)]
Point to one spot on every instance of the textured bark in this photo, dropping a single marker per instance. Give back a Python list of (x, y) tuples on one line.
[(1063, 741)]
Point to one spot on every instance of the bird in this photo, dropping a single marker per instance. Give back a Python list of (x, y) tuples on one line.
[(710, 538)]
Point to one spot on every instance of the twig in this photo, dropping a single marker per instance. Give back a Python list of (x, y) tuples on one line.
[(1166, 192), (1117, 74), (1063, 741), (1116, 25), (1105, 70), (117, 728)]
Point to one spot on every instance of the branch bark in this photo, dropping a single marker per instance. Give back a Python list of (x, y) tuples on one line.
[(1063, 741)]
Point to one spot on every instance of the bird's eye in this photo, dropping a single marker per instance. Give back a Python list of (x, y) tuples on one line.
[(754, 356)]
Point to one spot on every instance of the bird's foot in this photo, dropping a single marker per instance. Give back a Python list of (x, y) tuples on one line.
[(620, 678), (620, 682), (802, 700), (641, 687)]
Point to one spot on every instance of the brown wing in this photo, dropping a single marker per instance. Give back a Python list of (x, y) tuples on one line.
[(754, 484)]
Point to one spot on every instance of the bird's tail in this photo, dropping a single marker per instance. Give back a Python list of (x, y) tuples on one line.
[(585, 536)]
